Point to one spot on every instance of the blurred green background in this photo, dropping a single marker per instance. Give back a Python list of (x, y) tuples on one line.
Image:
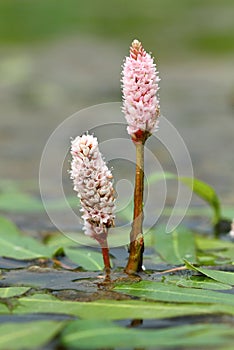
[(173, 27), (58, 57)]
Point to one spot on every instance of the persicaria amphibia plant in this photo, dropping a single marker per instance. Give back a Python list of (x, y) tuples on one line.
[(91, 177), (93, 182), (141, 108)]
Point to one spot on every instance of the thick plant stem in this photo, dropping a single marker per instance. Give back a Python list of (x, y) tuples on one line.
[(106, 259), (105, 255), (136, 237)]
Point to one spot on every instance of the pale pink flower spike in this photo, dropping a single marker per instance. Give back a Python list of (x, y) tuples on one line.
[(140, 92), (93, 182)]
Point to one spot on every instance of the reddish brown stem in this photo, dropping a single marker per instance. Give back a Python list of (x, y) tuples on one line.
[(105, 253), (106, 259), (136, 236)]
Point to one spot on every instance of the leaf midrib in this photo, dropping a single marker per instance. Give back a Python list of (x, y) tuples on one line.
[(176, 293)]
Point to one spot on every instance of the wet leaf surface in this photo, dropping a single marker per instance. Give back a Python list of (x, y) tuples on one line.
[(89, 260), (220, 276), (202, 283), (93, 335), (171, 293), (53, 279), (12, 291), (3, 309), (113, 309), (28, 335), (14, 245), (176, 246)]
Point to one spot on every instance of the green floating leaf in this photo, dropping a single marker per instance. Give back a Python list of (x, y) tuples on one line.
[(229, 254), (206, 259), (114, 309), (171, 293), (13, 199), (15, 245), (14, 336), (9, 227), (57, 240), (202, 189), (214, 251), (19, 202), (206, 192), (202, 283), (220, 276), (4, 309), (104, 334), (176, 246), (209, 243), (88, 259), (12, 291)]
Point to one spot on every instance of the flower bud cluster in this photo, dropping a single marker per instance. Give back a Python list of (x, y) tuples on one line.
[(140, 88), (93, 182)]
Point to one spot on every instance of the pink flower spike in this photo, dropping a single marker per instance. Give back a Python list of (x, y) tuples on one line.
[(93, 182), (140, 93)]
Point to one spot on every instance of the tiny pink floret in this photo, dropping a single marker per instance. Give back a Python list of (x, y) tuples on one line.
[(140, 91), (93, 182)]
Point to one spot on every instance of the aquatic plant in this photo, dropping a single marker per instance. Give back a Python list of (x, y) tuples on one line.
[(141, 108), (93, 183)]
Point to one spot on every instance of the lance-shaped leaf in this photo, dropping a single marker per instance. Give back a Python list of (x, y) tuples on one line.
[(17, 336), (200, 188), (114, 309), (14, 244), (171, 293), (176, 246), (104, 334), (220, 276)]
